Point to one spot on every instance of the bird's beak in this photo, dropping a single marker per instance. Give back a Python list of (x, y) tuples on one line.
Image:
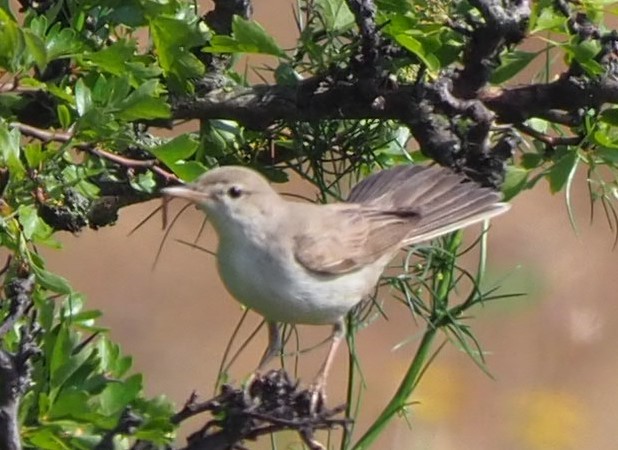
[(185, 192)]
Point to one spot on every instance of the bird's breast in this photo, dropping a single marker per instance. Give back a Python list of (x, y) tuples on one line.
[(268, 279)]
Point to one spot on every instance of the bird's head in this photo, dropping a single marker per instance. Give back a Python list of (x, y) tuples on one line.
[(231, 196)]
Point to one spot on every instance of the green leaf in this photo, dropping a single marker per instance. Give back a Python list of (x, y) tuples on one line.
[(51, 281), (46, 439), (549, 19), (144, 103), (64, 116), (113, 58), (33, 151), (112, 362), (584, 53), (218, 138), (248, 32), (248, 37), (68, 372), (537, 124), (514, 182), (188, 170), (610, 116), (585, 50), (173, 38), (511, 64), (145, 182), (70, 403), (559, 173), (608, 154), (10, 151), (86, 316), (117, 395), (130, 13), (335, 14), (5, 7), (11, 43), (62, 42), (36, 47), (122, 60), (396, 6), (604, 136), (61, 354), (417, 47), (285, 75), (531, 160), (83, 97), (111, 91), (179, 148), (33, 226)]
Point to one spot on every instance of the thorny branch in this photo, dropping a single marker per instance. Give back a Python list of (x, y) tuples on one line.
[(270, 404), (15, 367)]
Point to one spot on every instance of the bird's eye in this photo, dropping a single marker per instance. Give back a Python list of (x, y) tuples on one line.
[(234, 192)]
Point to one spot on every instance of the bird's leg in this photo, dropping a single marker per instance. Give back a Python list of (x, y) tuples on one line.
[(319, 385), (274, 345), (273, 349)]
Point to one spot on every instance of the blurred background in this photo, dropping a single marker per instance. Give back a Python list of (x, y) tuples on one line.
[(551, 352)]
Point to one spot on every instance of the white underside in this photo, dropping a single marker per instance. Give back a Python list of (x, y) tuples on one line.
[(282, 290)]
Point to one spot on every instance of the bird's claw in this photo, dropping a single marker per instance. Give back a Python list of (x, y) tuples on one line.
[(248, 398), (318, 398)]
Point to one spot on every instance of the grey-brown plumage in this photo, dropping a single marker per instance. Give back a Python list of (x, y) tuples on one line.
[(389, 210)]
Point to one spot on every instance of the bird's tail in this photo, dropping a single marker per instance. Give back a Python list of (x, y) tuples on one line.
[(442, 200)]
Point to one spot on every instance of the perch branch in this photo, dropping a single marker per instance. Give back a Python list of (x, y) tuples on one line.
[(15, 368)]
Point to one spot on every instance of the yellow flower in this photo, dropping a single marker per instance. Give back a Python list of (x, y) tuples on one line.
[(549, 420)]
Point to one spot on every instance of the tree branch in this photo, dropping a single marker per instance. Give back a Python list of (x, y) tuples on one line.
[(515, 105), (365, 16), (425, 108), (262, 105), (503, 25), (15, 368)]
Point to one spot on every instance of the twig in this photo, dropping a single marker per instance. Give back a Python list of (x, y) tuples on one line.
[(192, 407), (16, 88), (552, 141), (65, 137)]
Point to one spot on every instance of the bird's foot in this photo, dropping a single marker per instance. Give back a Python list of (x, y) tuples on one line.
[(318, 397), (247, 395)]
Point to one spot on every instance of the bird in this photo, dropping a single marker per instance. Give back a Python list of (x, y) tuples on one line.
[(304, 263)]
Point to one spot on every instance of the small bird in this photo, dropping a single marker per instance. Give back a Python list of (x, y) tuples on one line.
[(304, 263)]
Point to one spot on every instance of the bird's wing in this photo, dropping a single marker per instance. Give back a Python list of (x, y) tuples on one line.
[(344, 238), (391, 209)]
